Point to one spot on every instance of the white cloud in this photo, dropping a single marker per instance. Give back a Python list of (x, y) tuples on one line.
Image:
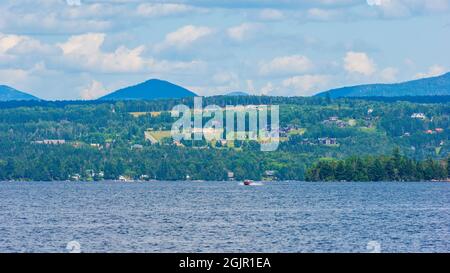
[(360, 63), (55, 17), (13, 76), (271, 14), (8, 42), (93, 91), (250, 86), (406, 8), (83, 44), (162, 9), (323, 14), (25, 79), (305, 85), (267, 89), (433, 71), (225, 77), (378, 2), (184, 37), (85, 51), (437, 5), (410, 63), (73, 2), (77, 16), (222, 82), (242, 32), (389, 74), (286, 65), (20, 50)]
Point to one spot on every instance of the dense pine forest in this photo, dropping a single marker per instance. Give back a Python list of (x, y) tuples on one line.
[(379, 168), (322, 139)]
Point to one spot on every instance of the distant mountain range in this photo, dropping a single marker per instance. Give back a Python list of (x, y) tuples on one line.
[(150, 90), (237, 94), (8, 94), (435, 86), (158, 89)]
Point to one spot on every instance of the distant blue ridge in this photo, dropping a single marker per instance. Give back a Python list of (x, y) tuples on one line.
[(435, 86), (150, 90), (10, 94)]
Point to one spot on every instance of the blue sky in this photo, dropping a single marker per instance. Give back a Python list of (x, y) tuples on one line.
[(83, 49)]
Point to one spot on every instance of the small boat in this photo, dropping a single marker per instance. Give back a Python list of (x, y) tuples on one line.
[(248, 182)]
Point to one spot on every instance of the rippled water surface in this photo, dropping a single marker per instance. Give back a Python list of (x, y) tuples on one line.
[(224, 217)]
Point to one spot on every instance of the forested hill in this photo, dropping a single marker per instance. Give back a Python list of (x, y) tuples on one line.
[(435, 86), (107, 140), (150, 90), (10, 94)]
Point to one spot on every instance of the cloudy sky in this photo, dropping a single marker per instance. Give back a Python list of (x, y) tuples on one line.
[(82, 49)]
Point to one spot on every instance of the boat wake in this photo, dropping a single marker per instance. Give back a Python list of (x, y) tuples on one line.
[(252, 184)]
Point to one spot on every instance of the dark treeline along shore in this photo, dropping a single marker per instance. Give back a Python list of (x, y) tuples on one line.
[(321, 139), (379, 168)]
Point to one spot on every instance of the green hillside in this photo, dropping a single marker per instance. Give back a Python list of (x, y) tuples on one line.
[(106, 140)]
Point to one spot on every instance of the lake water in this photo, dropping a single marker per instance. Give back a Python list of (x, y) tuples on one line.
[(225, 217)]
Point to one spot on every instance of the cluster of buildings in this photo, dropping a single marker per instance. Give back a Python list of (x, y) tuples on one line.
[(50, 142), (335, 121), (287, 130), (90, 175), (325, 141), (421, 116), (75, 144)]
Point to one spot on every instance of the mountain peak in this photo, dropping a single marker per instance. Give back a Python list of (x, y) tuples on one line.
[(8, 93), (150, 90), (237, 94)]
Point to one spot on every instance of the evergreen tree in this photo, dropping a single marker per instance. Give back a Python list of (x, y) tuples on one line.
[(448, 167), (390, 171), (341, 174), (361, 171), (376, 171)]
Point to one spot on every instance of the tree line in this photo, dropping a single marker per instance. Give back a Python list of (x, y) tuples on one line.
[(379, 168)]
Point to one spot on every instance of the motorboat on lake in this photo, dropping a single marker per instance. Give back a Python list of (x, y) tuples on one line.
[(248, 182)]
